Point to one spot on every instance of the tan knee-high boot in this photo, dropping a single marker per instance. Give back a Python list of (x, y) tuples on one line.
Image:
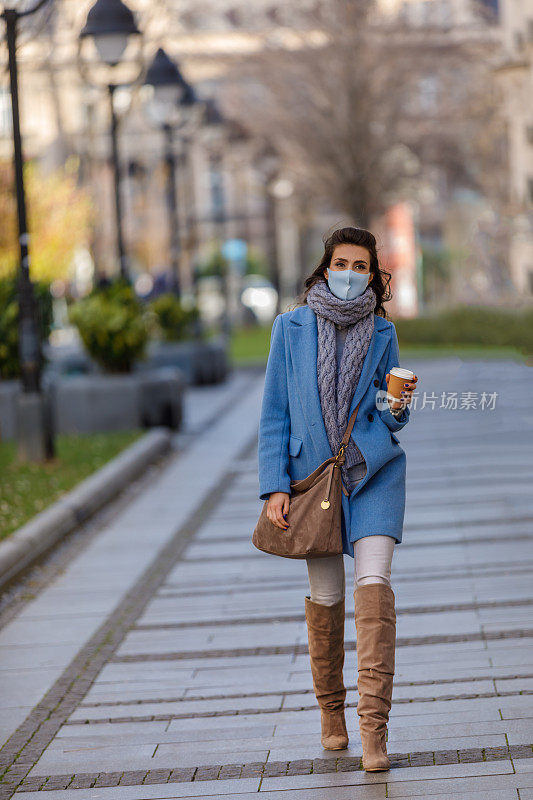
[(375, 622), (325, 631)]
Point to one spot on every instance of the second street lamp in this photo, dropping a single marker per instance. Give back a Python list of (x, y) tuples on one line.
[(269, 163), (172, 98), (111, 25), (214, 137)]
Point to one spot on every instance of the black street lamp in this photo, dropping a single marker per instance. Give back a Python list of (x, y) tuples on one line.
[(34, 419), (269, 163), (214, 127), (172, 99), (111, 26)]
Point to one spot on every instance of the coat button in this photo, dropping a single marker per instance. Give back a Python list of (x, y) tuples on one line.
[(370, 417), (376, 382)]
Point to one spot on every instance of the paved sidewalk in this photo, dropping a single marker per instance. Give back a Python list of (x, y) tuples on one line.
[(173, 654)]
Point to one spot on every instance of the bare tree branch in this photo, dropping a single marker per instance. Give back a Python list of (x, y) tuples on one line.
[(360, 105)]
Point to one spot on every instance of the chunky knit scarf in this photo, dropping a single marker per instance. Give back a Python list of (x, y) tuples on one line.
[(335, 399)]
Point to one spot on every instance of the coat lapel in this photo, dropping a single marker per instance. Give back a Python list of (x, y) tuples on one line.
[(303, 343)]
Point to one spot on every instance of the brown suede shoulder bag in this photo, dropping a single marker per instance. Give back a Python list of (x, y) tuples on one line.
[(314, 516)]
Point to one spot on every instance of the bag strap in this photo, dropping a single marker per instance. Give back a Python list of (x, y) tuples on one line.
[(351, 422)]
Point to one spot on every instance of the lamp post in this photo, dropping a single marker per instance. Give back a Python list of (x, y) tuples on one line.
[(111, 26), (214, 130), (172, 100), (214, 122), (269, 163), (35, 437)]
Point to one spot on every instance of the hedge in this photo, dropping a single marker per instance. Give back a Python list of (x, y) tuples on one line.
[(467, 325)]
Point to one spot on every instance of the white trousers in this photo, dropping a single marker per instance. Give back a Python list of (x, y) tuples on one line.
[(372, 564)]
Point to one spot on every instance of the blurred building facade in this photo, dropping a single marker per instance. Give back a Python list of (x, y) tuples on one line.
[(221, 187), (62, 116)]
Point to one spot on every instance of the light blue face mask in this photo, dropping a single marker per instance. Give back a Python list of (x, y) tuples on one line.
[(347, 284)]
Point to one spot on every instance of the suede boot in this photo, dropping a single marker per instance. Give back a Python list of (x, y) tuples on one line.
[(325, 631), (375, 622)]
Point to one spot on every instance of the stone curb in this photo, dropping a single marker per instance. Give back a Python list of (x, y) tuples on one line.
[(268, 769), (24, 547)]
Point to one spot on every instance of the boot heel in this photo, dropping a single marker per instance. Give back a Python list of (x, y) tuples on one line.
[(374, 759)]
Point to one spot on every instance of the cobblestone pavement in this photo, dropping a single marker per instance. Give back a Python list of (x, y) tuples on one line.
[(168, 658)]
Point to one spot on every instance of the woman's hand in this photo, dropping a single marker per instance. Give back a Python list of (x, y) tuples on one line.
[(278, 505), (408, 388)]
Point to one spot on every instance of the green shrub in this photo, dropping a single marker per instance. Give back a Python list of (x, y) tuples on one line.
[(112, 326), (467, 325), (173, 321), (9, 322)]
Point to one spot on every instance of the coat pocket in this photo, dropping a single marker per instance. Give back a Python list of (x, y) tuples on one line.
[(295, 445)]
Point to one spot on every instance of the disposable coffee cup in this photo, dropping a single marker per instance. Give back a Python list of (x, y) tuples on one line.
[(398, 376)]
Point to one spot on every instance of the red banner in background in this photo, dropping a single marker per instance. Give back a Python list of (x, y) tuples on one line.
[(397, 251)]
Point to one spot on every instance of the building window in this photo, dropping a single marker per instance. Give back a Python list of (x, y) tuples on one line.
[(519, 40), (428, 87), (492, 9)]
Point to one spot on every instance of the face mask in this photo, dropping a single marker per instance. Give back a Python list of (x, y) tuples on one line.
[(347, 284)]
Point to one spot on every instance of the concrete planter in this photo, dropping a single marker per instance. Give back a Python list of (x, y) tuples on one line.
[(8, 409), (202, 362), (96, 403)]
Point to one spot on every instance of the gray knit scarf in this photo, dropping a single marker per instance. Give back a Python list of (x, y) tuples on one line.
[(358, 316)]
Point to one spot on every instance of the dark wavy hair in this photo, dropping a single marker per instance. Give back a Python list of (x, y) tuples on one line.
[(380, 279)]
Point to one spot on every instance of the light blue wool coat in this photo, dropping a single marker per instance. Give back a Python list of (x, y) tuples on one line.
[(292, 439)]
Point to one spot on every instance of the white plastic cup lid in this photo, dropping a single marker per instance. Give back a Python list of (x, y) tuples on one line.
[(402, 373)]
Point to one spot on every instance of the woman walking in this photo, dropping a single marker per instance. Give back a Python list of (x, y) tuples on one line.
[(335, 349)]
